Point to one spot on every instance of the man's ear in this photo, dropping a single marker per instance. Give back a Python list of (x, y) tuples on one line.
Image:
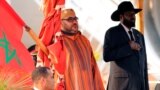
[(120, 16)]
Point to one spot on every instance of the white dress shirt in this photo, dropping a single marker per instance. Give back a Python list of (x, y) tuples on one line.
[(126, 29)]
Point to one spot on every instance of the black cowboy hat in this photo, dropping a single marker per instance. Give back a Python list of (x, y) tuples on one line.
[(123, 7)]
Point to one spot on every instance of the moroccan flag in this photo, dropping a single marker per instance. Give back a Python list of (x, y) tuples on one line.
[(12, 51)]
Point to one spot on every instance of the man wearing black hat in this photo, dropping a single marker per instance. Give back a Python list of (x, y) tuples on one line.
[(125, 48)]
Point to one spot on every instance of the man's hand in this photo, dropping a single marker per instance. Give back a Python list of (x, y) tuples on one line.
[(27, 28), (134, 45)]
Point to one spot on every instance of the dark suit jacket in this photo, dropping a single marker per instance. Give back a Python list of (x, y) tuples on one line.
[(128, 68)]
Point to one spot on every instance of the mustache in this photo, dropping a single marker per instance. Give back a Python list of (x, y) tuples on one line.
[(75, 25)]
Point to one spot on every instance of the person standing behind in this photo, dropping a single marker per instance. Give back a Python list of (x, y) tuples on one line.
[(43, 79), (81, 71), (124, 48), (33, 51)]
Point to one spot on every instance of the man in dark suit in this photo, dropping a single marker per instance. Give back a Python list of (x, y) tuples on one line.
[(124, 47)]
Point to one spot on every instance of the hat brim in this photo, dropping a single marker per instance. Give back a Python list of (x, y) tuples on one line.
[(115, 14)]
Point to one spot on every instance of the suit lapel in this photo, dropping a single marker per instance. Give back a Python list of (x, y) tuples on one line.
[(136, 35), (123, 33)]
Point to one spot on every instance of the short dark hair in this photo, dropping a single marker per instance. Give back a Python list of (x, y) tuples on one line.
[(40, 72), (32, 47)]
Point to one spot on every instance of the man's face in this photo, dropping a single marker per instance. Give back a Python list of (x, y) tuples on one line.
[(50, 81), (70, 24), (129, 19)]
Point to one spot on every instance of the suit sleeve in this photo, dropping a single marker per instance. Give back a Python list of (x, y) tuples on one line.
[(113, 51)]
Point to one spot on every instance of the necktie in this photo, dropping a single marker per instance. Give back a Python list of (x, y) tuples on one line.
[(131, 35)]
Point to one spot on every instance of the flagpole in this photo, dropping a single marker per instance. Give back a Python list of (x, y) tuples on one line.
[(37, 40), (39, 43)]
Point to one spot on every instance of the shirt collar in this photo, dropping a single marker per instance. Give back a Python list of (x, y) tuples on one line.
[(73, 37), (125, 28)]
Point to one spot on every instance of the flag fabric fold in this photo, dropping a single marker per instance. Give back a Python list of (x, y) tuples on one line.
[(50, 26)]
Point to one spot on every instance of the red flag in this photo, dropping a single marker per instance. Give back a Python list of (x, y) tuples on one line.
[(12, 51), (50, 25)]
